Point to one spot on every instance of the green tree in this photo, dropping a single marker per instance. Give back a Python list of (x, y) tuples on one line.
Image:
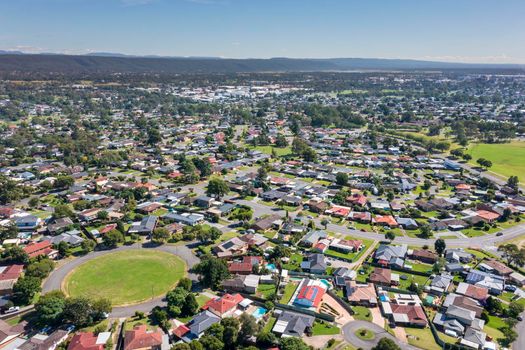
[(212, 272), (112, 238), (64, 181), (78, 311), (249, 326), (293, 343), (160, 235), (341, 179), (40, 269), (190, 306), (15, 255), (62, 211), (185, 283), (87, 245), (514, 309), (50, 307), (439, 246), (513, 182), (217, 187), (386, 344), (425, 231), (25, 289), (210, 342)]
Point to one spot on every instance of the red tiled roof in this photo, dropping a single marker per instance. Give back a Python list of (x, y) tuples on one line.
[(415, 313), (37, 249), (385, 219), (240, 267), (478, 293), (85, 341), (181, 330), (11, 272), (140, 338), (223, 304), (487, 215)]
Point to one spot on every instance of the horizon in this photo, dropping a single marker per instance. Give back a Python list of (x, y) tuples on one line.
[(468, 31)]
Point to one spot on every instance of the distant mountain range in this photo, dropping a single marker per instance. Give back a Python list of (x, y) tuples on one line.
[(103, 62)]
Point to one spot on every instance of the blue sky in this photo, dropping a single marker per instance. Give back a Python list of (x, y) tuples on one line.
[(449, 30)]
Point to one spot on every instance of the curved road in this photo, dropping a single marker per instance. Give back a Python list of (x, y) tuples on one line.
[(351, 327), (54, 281)]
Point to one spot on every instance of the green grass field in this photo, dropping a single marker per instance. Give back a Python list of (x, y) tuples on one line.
[(507, 158), (126, 277)]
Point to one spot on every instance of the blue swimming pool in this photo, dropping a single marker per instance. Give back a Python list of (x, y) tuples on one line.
[(383, 297), (259, 312), (326, 283), (271, 267)]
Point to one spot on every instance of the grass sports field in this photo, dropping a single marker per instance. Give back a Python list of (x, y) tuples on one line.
[(126, 277), (507, 158)]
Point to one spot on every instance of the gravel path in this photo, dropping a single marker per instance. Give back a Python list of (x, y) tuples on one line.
[(54, 281)]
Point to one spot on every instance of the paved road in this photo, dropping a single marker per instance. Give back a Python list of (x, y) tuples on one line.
[(54, 281), (519, 344), (350, 328), (486, 241)]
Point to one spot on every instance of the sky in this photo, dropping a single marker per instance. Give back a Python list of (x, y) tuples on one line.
[(481, 31)]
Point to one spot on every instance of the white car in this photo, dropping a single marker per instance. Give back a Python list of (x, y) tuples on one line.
[(12, 309)]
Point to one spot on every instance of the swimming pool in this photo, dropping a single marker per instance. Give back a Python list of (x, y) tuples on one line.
[(326, 283), (259, 312), (271, 267), (383, 297)]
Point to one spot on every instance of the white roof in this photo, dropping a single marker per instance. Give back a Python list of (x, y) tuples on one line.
[(280, 326), (103, 337)]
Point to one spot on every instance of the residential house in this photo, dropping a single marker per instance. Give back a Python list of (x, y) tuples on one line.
[(8, 332), (242, 283), (404, 314), (44, 341), (140, 338), (8, 277), (494, 283), (223, 306), (361, 294), (145, 226), (440, 284), (292, 324), (40, 248), (472, 291), (383, 277), (311, 238), (28, 223), (423, 255), (310, 294), (264, 224), (391, 255), (89, 341), (198, 325), (314, 263)]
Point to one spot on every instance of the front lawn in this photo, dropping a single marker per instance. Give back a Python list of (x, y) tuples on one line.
[(289, 289), (422, 338), (362, 313), (265, 290), (324, 329)]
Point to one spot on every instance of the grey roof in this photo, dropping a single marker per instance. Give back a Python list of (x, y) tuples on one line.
[(475, 336), (202, 322), (313, 236), (297, 323), (387, 252)]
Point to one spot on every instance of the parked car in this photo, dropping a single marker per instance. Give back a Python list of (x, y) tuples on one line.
[(499, 234), (12, 309)]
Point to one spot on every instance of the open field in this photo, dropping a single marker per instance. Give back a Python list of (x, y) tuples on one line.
[(507, 158), (126, 277)]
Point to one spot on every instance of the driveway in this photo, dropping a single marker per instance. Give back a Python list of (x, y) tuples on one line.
[(350, 328), (54, 281)]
